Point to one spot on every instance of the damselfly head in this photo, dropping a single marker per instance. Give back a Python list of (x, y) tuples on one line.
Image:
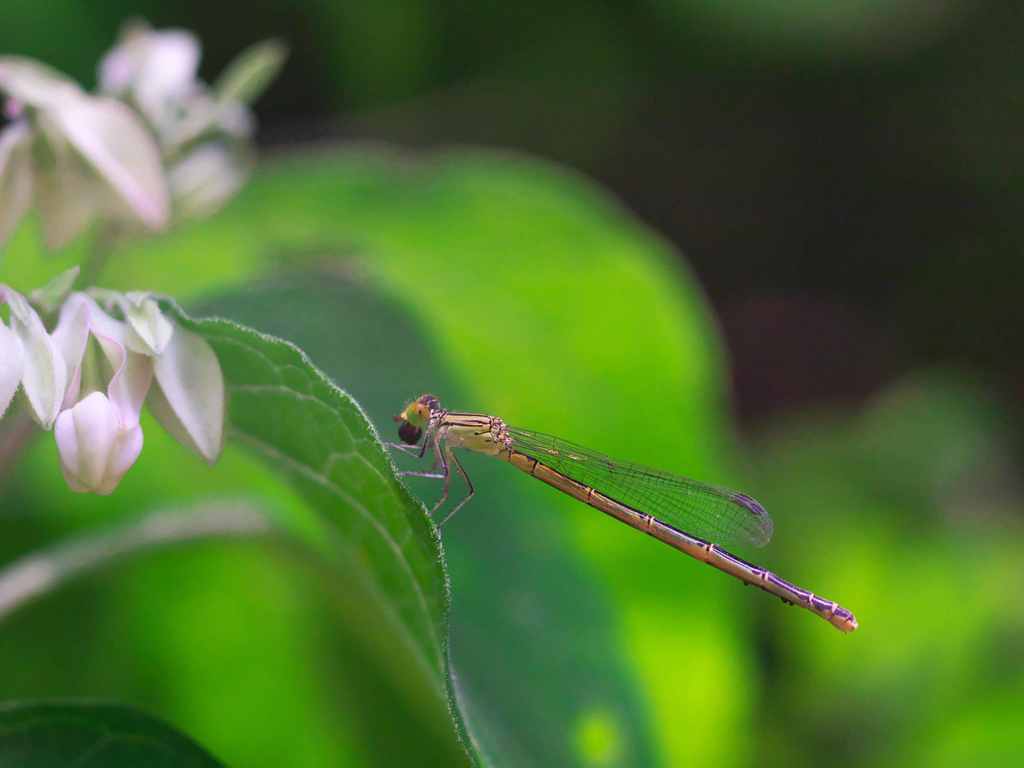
[(415, 417)]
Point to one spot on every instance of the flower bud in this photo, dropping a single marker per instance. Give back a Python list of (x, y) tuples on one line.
[(95, 450)]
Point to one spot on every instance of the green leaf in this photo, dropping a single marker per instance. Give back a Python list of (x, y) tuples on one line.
[(92, 735), (383, 543), (366, 330)]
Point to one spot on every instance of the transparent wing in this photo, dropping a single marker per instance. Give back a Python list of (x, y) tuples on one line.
[(715, 514)]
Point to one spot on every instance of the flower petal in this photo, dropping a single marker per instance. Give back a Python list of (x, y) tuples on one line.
[(71, 336), (126, 450), (15, 176), (156, 69), (33, 83), (133, 374), (149, 331), (207, 177), (11, 366), (114, 142), (168, 72), (45, 375), (67, 449), (189, 398), (100, 322), (66, 195)]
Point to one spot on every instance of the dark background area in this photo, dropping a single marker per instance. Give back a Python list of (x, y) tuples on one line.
[(845, 178)]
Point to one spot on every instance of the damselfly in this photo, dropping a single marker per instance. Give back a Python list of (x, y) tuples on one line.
[(685, 514)]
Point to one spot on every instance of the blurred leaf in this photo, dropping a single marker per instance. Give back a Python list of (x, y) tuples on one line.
[(92, 735), (249, 73), (543, 301), (854, 29), (920, 514)]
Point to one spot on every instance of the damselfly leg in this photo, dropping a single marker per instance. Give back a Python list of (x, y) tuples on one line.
[(444, 457), (469, 485)]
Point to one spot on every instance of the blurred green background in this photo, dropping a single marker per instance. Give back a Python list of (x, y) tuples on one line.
[(767, 244)]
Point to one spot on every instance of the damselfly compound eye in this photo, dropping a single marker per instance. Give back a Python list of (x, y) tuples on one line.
[(409, 434)]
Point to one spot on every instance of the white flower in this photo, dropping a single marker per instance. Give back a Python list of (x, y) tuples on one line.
[(204, 132), (91, 377), (75, 156), (156, 71), (188, 398), (157, 135), (96, 448), (80, 319)]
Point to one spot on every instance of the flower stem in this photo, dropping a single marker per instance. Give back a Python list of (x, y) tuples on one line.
[(100, 250), (38, 573)]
